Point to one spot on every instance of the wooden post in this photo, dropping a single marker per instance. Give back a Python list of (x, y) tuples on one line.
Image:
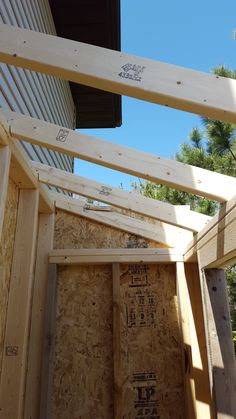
[(221, 356), (12, 386), (44, 245), (117, 341), (5, 160), (48, 348), (197, 387)]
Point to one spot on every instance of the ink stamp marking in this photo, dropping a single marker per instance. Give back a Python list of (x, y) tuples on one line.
[(141, 310), (139, 275), (132, 72), (62, 135), (145, 403), (12, 350), (105, 190)]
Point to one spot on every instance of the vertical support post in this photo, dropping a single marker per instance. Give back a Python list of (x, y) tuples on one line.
[(197, 386), (44, 245), (5, 160), (49, 343), (12, 387), (222, 365), (118, 396)]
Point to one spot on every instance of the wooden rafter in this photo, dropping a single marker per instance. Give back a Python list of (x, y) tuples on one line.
[(147, 166), (153, 81), (120, 198), (160, 232)]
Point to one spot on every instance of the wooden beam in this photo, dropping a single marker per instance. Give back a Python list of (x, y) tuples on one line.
[(49, 344), (147, 166), (5, 160), (120, 198), (199, 402), (118, 388), (216, 243), (220, 344), (160, 232), (20, 169), (169, 85), (33, 379), (97, 256), (14, 367)]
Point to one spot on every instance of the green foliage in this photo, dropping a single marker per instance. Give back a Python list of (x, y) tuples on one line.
[(234, 339), (213, 148)]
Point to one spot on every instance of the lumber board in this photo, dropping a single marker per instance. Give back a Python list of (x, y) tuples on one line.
[(120, 198), (33, 379), (221, 356), (118, 388), (101, 256), (160, 232), (209, 230), (144, 165), (5, 160), (199, 402), (217, 247), (165, 84), (14, 365), (20, 169), (49, 345)]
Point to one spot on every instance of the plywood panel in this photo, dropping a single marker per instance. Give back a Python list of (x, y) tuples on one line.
[(74, 232), (83, 367), (151, 357), (6, 254)]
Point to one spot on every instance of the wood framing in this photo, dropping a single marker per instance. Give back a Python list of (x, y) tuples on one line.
[(216, 242), (153, 81), (48, 345), (5, 160), (100, 256), (163, 342), (199, 401), (14, 366), (36, 337), (20, 170), (160, 232), (120, 198), (147, 166), (221, 357), (118, 389)]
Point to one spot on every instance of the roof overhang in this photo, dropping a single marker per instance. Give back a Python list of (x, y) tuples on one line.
[(95, 22)]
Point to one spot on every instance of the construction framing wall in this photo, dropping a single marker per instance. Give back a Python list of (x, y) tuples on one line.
[(117, 310)]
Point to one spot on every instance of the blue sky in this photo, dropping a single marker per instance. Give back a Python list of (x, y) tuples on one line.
[(194, 34)]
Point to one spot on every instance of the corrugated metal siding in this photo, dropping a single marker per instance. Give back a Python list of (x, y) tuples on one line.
[(32, 93)]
